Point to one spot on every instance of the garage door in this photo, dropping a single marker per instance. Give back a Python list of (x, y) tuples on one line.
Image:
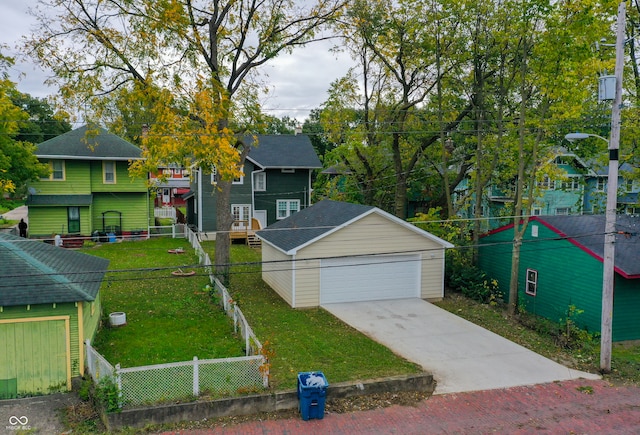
[(370, 278), (34, 357)]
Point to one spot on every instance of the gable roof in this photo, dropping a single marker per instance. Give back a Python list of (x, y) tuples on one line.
[(85, 143), (33, 272), (587, 233), (323, 218), (282, 151)]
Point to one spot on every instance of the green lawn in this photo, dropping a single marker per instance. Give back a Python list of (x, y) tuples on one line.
[(308, 339), (171, 319)]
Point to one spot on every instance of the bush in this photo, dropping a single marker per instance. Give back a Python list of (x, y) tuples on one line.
[(475, 284)]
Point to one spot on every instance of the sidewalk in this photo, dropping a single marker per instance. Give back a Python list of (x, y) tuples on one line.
[(570, 407)]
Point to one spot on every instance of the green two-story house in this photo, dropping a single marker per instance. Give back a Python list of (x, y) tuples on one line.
[(89, 191), (276, 183)]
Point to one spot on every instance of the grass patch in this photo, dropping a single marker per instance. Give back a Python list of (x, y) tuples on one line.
[(169, 319), (538, 334), (308, 339)]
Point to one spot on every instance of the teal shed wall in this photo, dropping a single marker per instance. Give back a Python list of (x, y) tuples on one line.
[(567, 275)]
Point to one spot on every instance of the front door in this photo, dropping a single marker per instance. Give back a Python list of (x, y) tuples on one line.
[(73, 220)]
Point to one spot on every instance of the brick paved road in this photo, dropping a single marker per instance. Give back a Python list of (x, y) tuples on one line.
[(569, 407)]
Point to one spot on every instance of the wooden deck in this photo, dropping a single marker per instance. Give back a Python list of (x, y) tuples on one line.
[(242, 230)]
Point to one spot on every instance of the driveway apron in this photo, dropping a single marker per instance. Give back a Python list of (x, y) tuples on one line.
[(461, 355)]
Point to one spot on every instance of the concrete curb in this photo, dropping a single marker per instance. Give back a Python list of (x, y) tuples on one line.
[(259, 403)]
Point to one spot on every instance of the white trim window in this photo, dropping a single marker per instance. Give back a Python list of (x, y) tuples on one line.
[(287, 207), (601, 184), (547, 183), (214, 175), (532, 282), (260, 181), (240, 179), (572, 183), (563, 211), (58, 172), (109, 172), (241, 216)]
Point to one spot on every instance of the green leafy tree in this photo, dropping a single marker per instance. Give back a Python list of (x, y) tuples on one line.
[(189, 68), (18, 163)]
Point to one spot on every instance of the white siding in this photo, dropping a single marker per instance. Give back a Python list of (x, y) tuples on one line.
[(373, 234)]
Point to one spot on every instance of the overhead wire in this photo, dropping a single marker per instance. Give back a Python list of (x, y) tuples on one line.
[(292, 262)]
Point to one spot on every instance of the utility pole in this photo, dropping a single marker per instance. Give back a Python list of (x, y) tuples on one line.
[(608, 272)]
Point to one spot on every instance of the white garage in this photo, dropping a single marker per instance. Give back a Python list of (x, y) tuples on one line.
[(369, 278), (340, 252)]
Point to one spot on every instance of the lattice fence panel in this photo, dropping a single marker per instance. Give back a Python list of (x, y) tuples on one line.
[(141, 386), (232, 376)]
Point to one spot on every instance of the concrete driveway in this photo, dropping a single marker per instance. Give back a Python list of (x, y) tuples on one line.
[(460, 355)]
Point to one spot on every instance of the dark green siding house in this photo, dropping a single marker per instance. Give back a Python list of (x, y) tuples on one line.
[(89, 189), (276, 183), (49, 304), (561, 266)]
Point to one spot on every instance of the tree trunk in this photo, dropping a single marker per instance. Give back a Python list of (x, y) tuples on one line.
[(515, 268), (224, 220)]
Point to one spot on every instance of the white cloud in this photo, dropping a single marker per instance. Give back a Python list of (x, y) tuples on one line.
[(298, 82)]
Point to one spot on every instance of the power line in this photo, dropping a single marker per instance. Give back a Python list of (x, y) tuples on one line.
[(148, 270)]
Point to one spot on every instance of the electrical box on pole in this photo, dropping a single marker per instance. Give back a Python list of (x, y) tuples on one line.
[(606, 88)]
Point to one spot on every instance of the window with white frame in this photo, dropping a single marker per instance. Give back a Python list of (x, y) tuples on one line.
[(601, 184), (573, 183), (57, 170), (563, 211), (532, 282), (109, 172), (629, 185), (287, 207), (241, 216), (240, 179), (547, 183), (260, 181), (536, 211), (214, 175), (287, 170)]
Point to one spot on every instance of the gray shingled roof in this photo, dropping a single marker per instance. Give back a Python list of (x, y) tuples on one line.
[(320, 219), (310, 223), (66, 200), (283, 151), (587, 231), (76, 144), (34, 272)]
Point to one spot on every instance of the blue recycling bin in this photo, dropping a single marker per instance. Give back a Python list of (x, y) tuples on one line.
[(312, 392)]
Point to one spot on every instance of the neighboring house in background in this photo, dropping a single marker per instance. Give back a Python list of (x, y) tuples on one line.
[(582, 190), (276, 184), (89, 189), (561, 266), (49, 304), (342, 252), (172, 188), (628, 190)]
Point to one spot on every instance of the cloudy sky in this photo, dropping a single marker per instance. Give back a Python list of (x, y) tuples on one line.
[(299, 82)]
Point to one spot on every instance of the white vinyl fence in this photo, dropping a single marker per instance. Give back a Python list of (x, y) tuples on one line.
[(180, 380)]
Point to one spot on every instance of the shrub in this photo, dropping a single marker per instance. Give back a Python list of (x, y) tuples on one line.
[(474, 283)]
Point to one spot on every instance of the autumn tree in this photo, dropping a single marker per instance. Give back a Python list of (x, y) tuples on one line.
[(190, 66), (552, 43), (18, 163)]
